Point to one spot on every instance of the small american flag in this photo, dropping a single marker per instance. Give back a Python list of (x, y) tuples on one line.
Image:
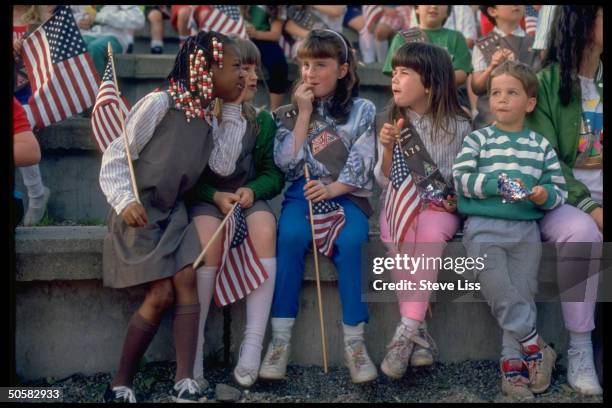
[(63, 78), (328, 218), (401, 200), (241, 272), (225, 20), (372, 14), (531, 20), (109, 111)]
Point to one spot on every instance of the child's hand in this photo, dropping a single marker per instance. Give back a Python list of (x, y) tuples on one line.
[(316, 191), (135, 215), (389, 134), (448, 205), (247, 197), (251, 31), (225, 201), (500, 56), (597, 215), (539, 195), (304, 97)]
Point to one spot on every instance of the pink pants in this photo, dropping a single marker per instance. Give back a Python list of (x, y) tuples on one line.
[(569, 224), (433, 229)]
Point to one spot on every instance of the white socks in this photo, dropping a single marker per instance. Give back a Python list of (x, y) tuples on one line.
[(206, 286), (258, 305), (366, 46), (281, 328), (381, 50), (157, 43), (352, 333), (580, 340), (411, 324), (33, 182)]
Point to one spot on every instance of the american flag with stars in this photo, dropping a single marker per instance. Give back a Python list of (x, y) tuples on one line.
[(328, 218), (402, 200), (241, 271), (62, 75), (372, 14), (109, 111), (531, 20), (225, 20)]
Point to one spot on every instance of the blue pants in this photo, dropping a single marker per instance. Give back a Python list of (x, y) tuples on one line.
[(293, 240)]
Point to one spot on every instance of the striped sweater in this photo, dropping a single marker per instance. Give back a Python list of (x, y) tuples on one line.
[(526, 155)]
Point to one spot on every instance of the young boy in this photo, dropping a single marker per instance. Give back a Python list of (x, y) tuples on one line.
[(507, 41), (430, 20), (505, 230)]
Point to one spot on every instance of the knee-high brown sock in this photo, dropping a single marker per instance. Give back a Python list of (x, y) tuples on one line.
[(185, 331), (139, 335)]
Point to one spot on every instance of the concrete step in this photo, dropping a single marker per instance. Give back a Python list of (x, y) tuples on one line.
[(60, 297)]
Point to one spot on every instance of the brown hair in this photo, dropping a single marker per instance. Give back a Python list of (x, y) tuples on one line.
[(327, 44), (434, 66), (523, 72), (448, 13)]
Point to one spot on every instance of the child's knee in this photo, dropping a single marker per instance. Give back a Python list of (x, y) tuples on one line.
[(161, 295)]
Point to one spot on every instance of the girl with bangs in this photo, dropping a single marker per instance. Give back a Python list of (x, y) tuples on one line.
[(255, 180), (426, 121), (331, 130)]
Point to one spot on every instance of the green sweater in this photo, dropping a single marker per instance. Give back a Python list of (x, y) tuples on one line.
[(451, 40), (526, 155), (269, 181), (561, 126)]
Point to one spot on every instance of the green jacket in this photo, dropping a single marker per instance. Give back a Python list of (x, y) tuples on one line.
[(269, 181), (561, 126)]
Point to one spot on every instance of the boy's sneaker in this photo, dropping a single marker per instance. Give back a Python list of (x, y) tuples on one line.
[(423, 356), (274, 364), (396, 361), (581, 374), (357, 360), (515, 379), (119, 394), (186, 390), (540, 360)]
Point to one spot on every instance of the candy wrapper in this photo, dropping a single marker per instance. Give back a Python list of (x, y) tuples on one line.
[(511, 190), (436, 196)]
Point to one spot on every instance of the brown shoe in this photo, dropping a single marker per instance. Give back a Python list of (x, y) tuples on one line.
[(515, 380), (540, 360)]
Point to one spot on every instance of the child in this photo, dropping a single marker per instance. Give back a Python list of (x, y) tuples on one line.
[(254, 180), (570, 115), (328, 115), (395, 18), (506, 231), (25, 20), (156, 16), (431, 20), (304, 18), (265, 27), (507, 41), (152, 242), (425, 100)]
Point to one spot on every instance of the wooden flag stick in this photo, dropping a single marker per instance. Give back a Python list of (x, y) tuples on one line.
[(217, 232), (316, 262), (125, 139)]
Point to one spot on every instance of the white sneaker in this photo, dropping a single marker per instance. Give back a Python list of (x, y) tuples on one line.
[(359, 363), (243, 375), (395, 363), (35, 214), (274, 364), (186, 390), (581, 374), (423, 356)]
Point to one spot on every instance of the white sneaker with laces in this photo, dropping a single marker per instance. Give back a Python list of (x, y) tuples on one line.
[(395, 363), (359, 363), (186, 390), (274, 364), (581, 373), (120, 394)]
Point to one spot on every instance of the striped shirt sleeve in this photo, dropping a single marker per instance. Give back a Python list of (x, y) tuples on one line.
[(140, 125), (552, 178), (545, 20), (468, 181), (227, 140)]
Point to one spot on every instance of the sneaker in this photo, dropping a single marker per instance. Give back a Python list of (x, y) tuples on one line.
[(357, 360), (423, 356), (120, 394), (581, 374), (157, 50), (515, 379), (540, 360), (202, 383), (186, 390), (35, 214), (396, 361), (243, 375), (274, 364)]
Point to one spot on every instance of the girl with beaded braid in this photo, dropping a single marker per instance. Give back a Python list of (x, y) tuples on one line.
[(172, 136)]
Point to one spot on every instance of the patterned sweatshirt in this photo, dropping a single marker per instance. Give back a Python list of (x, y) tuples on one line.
[(526, 155)]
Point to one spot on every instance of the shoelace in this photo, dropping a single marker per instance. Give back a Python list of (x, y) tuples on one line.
[(534, 362), (125, 393), (187, 384), (278, 348), (585, 364), (424, 334), (358, 354)]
